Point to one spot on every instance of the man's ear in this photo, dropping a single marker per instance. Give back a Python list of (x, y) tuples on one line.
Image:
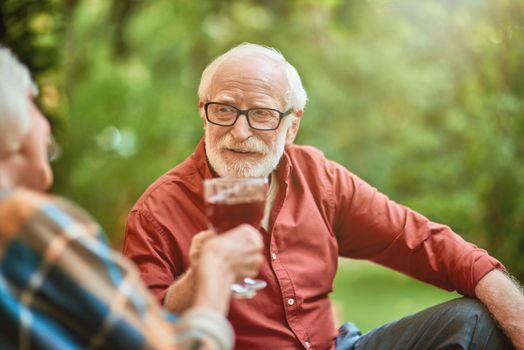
[(293, 129), (202, 113)]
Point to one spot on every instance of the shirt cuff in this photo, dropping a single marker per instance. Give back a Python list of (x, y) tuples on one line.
[(212, 326), (481, 268)]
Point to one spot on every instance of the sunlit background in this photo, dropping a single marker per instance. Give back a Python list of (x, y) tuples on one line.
[(422, 99)]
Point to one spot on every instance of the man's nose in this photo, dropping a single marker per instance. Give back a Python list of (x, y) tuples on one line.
[(241, 130)]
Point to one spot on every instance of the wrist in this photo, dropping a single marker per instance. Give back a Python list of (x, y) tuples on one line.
[(213, 287), (180, 295)]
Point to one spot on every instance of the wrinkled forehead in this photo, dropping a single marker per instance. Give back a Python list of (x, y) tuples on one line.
[(250, 78)]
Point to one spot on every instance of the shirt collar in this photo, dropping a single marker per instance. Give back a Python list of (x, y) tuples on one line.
[(285, 166), (204, 169)]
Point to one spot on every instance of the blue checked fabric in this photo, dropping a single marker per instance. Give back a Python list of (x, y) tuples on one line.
[(62, 287)]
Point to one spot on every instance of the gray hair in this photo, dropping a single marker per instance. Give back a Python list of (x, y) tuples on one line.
[(295, 97), (15, 87)]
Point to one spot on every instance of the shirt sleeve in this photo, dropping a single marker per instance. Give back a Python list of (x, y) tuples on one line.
[(62, 286), (371, 226), (149, 248)]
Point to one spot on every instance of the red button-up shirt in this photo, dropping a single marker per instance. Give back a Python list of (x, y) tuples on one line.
[(321, 212)]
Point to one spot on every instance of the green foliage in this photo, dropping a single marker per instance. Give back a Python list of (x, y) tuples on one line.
[(32, 30), (423, 99)]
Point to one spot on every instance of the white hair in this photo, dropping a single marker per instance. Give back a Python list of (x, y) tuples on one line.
[(15, 87), (295, 97)]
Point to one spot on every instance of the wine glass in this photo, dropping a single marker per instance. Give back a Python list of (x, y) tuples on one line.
[(231, 202)]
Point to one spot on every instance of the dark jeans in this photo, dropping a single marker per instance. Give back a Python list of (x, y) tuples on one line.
[(457, 324)]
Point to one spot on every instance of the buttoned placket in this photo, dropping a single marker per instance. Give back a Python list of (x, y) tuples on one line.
[(289, 299)]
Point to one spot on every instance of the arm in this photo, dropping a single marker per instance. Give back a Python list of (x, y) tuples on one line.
[(373, 227), (180, 294), (216, 262), (505, 300), (85, 294), (93, 297), (370, 226)]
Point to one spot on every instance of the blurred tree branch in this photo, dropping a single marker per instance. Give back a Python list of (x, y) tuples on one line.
[(120, 14)]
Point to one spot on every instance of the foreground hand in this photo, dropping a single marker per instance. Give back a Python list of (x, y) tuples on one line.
[(222, 260), (216, 262), (196, 246), (233, 255)]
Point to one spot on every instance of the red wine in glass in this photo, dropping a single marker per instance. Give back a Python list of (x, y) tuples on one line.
[(231, 202), (224, 216)]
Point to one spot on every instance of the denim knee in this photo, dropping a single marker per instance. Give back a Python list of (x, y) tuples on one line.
[(473, 317), (348, 335)]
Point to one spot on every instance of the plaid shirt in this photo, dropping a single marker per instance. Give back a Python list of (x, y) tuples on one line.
[(62, 287)]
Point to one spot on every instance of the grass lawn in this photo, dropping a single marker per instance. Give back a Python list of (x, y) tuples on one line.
[(370, 295)]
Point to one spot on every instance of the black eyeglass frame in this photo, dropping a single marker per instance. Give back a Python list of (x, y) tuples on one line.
[(246, 113)]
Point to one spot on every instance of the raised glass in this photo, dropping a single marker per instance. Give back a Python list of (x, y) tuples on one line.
[(231, 202)]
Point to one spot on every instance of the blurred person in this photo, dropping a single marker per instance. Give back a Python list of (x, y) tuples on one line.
[(61, 286), (251, 102)]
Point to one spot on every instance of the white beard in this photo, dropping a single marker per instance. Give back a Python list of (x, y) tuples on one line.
[(246, 168)]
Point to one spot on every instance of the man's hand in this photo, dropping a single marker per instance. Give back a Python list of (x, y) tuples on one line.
[(505, 300)]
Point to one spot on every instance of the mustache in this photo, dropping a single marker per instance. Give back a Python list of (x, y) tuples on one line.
[(252, 144)]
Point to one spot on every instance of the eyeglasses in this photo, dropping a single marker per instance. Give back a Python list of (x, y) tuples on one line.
[(54, 151), (258, 118)]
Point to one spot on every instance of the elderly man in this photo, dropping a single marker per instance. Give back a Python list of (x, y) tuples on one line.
[(61, 287), (251, 103)]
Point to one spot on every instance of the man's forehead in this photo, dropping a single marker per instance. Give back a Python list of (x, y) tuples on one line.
[(256, 67), (256, 75)]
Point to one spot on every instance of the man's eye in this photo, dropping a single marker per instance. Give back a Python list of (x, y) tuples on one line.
[(262, 113), (225, 110)]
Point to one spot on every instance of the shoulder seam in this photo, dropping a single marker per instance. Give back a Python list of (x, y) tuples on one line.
[(145, 213)]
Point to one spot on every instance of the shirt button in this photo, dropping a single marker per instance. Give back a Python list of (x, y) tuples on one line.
[(307, 344), (291, 301), (274, 256)]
